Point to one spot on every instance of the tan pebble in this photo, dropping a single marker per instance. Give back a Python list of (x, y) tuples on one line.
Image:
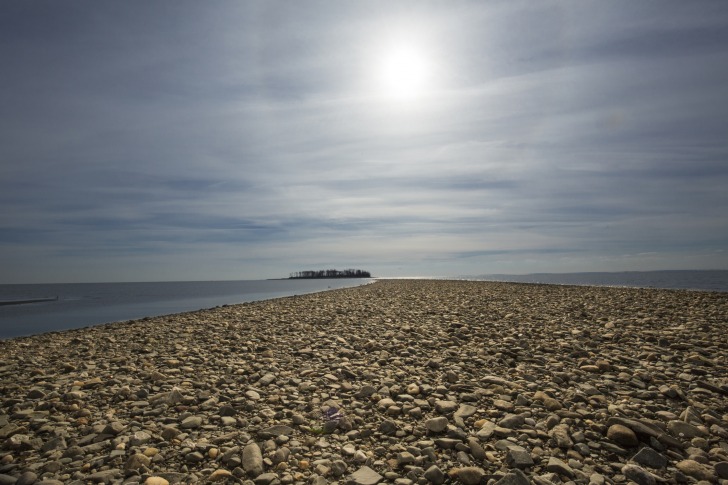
[(156, 481), (213, 452), (695, 470), (6, 459), (150, 452), (303, 464), (453, 472), (282, 466), (220, 474), (622, 435), (121, 446), (479, 423)]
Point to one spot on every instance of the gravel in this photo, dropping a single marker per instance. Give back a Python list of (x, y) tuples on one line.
[(401, 381)]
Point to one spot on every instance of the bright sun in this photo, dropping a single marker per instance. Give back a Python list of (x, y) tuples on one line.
[(404, 72)]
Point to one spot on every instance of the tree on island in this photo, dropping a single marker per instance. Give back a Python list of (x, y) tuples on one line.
[(330, 273)]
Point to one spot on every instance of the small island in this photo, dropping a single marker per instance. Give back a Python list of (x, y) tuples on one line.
[(329, 273)]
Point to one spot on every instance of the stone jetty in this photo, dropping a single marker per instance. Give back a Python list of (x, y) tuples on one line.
[(401, 381)]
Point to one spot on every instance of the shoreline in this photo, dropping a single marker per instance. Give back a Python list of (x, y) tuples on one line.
[(436, 380), (101, 306)]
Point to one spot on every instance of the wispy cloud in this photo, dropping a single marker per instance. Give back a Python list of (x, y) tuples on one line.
[(176, 141)]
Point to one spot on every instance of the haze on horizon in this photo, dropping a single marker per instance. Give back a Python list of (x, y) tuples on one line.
[(184, 140)]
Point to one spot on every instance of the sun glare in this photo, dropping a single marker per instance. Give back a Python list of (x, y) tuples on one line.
[(404, 72)]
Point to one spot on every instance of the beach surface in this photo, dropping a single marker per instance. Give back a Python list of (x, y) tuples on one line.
[(400, 381)]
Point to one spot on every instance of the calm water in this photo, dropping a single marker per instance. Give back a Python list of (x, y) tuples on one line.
[(82, 305), (680, 280), (85, 304)]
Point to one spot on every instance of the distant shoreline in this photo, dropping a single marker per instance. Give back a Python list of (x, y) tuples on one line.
[(326, 277), (26, 301)]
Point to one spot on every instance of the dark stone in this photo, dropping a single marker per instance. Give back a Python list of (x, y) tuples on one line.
[(651, 458)]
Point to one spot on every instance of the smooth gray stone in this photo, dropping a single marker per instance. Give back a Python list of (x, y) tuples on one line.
[(276, 430), (435, 475), (471, 475), (437, 425), (557, 466), (518, 459), (252, 460), (27, 478), (638, 475), (366, 476)]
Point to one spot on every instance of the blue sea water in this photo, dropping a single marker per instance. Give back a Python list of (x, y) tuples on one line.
[(84, 304), (705, 280)]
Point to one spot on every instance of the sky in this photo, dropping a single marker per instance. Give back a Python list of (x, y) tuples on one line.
[(186, 140)]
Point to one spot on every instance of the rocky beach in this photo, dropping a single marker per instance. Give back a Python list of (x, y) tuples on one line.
[(401, 381)]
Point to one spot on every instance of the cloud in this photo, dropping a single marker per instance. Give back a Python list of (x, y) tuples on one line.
[(248, 140)]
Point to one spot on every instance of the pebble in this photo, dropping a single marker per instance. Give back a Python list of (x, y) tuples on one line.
[(433, 381), (557, 466), (651, 458), (220, 475), (518, 458), (470, 475), (156, 481), (252, 460), (638, 475), (721, 469), (560, 436), (696, 470), (622, 435), (517, 477), (437, 425), (366, 476)]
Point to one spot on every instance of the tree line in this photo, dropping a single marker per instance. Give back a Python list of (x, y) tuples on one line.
[(331, 273)]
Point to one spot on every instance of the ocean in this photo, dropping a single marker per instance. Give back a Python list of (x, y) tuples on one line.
[(85, 304)]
